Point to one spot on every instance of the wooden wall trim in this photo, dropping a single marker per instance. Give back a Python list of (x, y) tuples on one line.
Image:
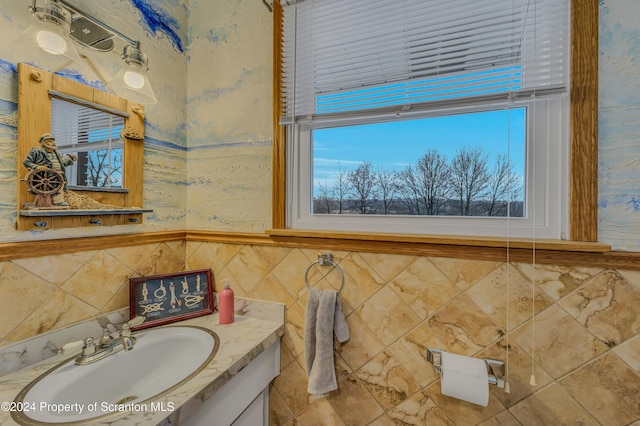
[(451, 240), (24, 249), (602, 259), (572, 256), (612, 260), (278, 158), (230, 237), (583, 203)]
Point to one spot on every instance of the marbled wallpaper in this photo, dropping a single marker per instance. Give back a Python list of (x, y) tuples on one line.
[(161, 27), (228, 103), (619, 126)]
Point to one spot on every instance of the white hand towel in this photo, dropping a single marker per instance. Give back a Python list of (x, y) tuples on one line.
[(323, 318)]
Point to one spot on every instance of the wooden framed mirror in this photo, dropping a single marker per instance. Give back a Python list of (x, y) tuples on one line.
[(116, 200)]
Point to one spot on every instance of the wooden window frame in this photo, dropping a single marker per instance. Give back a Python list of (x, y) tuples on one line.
[(583, 168)]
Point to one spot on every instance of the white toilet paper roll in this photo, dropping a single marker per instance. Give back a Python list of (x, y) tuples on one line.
[(465, 378)]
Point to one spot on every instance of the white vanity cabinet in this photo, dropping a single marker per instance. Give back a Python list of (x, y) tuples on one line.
[(244, 400), (233, 389)]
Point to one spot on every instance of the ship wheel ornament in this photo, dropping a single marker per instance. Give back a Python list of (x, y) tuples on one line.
[(44, 183)]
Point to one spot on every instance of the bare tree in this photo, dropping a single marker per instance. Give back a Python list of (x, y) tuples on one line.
[(469, 177), (363, 182), (433, 175), (102, 169), (504, 187), (410, 190), (387, 183), (432, 186), (341, 188), (322, 203)]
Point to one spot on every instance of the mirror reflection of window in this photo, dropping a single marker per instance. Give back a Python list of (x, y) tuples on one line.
[(94, 136)]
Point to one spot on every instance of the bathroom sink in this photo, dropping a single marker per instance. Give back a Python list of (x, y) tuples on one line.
[(162, 359)]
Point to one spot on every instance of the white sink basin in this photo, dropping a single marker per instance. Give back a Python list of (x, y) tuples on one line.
[(162, 359)]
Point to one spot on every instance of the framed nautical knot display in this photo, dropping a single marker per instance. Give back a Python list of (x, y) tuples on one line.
[(163, 299)]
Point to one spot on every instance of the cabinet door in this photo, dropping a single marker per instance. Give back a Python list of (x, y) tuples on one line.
[(254, 415), (244, 400)]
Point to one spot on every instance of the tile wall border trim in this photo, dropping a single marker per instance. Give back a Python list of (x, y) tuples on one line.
[(38, 248), (568, 253)]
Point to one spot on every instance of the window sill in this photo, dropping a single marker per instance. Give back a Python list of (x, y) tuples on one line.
[(442, 240), (97, 189)]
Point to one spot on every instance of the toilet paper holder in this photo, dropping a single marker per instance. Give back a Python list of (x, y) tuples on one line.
[(495, 367)]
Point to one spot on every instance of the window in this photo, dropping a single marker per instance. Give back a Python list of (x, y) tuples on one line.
[(376, 93), (94, 137), (451, 165)]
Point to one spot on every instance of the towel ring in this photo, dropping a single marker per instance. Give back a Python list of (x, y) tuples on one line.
[(324, 260)]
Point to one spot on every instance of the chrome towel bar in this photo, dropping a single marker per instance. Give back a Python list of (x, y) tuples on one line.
[(324, 259)]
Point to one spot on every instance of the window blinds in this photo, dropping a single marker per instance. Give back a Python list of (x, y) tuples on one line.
[(362, 55), (80, 128)]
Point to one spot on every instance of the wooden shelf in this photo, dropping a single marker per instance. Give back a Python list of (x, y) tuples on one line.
[(81, 212), (40, 220)]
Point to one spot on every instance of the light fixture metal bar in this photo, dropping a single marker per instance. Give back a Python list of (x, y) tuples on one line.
[(99, 23)]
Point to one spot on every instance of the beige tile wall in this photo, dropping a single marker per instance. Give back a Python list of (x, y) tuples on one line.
[(586, 347), (50, 292), (585, 343)]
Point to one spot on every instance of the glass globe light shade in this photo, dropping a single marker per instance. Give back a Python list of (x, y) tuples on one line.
[(133, 79), (51, 42)]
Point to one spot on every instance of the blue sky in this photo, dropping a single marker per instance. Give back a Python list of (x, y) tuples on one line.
[(394, 145)]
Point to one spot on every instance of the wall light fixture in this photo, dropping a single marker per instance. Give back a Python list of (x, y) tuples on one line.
[(57, 22), (50, 32), (131, 81)]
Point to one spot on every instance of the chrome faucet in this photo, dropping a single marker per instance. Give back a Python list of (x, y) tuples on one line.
[(108, 345), (127, 340)]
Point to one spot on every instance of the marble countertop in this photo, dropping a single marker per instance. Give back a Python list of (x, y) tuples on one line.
[(259, 326)]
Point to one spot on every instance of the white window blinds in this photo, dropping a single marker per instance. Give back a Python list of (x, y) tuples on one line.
[(80, 128), (342, 56)]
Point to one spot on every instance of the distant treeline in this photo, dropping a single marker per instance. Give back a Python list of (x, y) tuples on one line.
[(462, 186)]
